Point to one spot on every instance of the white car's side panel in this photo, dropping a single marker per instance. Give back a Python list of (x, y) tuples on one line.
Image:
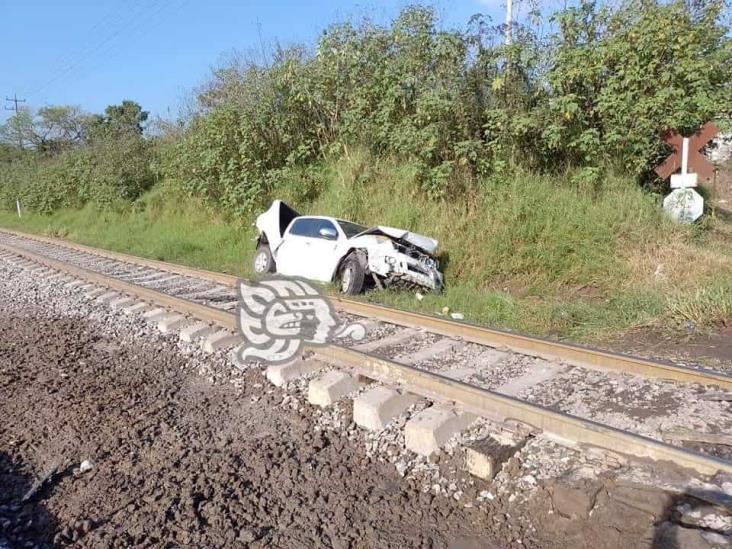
[(321, 258), (315, 258), (290, 255)]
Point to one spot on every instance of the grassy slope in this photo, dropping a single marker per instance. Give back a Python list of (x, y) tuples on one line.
[(532, 253)]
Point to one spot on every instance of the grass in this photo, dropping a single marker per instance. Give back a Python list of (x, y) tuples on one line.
[(543, 255), (181, 232)]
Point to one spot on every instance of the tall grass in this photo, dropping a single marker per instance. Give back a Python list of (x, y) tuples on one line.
[(545, 255), (157, 226), (529, 233)]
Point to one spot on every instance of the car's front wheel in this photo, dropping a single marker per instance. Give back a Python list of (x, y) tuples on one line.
[(352, 276), (263, 260)]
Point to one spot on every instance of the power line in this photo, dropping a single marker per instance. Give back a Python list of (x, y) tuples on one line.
[(88, 52), (137, 29), (62, 61), (15, 102)]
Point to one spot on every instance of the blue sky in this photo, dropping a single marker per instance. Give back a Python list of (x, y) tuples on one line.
[(94, 53)]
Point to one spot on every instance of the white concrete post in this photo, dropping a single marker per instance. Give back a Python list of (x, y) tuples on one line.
[(685, 156)]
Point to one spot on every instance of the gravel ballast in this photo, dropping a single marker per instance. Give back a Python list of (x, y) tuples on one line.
[(142, 440)]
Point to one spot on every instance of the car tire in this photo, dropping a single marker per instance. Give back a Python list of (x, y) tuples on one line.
[(263, 260), (352, 276)]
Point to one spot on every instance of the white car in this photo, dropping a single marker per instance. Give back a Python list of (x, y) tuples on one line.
[(328, 249)]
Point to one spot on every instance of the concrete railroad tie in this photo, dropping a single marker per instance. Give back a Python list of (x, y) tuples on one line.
[(153, 316), (195, 331), (106, 297), (282, 374), (331, 387), (171, 322), (376, 408), (220, 340), (136, 307), (96, 292), (429, 430), (121, 302)]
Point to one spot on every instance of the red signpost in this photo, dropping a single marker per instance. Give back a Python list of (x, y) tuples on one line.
[(697, 163)]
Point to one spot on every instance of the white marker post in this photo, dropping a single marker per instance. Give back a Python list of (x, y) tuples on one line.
[(17, 205), (684, 204)]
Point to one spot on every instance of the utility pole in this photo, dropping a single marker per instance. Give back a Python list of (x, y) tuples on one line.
[(15, 102), (509, 22)]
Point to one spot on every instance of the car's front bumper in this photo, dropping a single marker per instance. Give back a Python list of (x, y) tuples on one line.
[(403, 269)]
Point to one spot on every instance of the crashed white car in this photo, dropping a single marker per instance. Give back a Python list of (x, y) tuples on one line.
[(328, 249)]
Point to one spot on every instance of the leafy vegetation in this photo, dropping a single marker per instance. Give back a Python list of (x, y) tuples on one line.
[(530, 162), (77, 158), (521, 253)]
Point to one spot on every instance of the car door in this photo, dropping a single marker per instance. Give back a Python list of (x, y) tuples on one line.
[(321, 254), (291, 254), (308, 249)]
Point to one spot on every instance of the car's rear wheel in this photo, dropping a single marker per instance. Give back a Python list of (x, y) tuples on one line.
[(352, 276), (263, 260)]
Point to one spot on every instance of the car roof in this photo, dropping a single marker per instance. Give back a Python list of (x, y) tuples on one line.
[(329, 219), (316, 217)]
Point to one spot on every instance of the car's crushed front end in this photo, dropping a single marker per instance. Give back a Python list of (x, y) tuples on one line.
[(398, 262)]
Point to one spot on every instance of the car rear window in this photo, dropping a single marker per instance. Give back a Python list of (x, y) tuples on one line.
[(351, 229)]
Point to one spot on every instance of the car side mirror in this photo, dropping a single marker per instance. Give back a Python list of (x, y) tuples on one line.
[(329, 233)]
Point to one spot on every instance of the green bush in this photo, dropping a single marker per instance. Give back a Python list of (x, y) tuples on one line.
[(460, 107), (103, 172), (620, 78)]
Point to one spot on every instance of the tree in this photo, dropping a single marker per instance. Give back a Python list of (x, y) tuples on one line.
[(58, 128), (622, 77), (49, 131), (126, 119), (18, 129)]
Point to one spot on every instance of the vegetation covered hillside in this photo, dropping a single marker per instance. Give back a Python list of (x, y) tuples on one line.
[(530, 162)]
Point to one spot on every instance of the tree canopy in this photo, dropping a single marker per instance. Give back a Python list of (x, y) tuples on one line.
[(596, 92)]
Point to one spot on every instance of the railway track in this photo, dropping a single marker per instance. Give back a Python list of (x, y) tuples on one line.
[(488, 373)]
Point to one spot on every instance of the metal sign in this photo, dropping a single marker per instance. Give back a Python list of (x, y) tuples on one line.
[(685, 205), (697, 163)]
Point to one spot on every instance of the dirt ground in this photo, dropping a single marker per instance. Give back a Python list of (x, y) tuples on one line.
[(177, 460), (711, 351)]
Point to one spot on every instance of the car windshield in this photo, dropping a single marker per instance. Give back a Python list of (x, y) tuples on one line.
[(351, 229)]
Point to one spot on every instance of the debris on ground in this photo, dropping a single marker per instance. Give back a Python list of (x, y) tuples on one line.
[(84, 466)]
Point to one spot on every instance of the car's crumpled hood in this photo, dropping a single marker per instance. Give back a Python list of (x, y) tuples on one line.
[(424, 243)]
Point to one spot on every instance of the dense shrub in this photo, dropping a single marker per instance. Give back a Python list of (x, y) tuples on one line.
[(102, 172), (76, 158), (458, 106), (601, 90), (622, 78)]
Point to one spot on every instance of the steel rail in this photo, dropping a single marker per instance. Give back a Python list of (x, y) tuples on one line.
[(569, 353), (480, 401)]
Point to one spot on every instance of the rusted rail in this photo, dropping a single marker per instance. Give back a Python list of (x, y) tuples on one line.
[(576, 355), (480, 401)]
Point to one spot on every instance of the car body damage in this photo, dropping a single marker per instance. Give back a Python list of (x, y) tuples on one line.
[(328, 249)]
